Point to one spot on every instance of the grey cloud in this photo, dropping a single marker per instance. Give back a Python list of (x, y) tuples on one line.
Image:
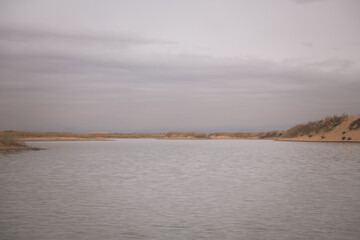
[(307, 44), (214, 77), (161, 91), (28, 34), (334, 64), (124, 67), (308, 1)]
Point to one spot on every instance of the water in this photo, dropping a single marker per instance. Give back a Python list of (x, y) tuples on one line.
[(181, 189)]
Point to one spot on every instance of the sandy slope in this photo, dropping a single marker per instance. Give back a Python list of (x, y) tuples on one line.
[(335, 135), (60, 139)]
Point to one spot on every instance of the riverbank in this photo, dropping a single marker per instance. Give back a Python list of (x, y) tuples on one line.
[(11, 142), (336, 129), (331, 129), (192, 138), (36, 139), (4, 147)]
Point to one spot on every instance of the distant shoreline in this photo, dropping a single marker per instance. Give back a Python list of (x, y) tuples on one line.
[(54, 139), (330, 129), (275, 139)]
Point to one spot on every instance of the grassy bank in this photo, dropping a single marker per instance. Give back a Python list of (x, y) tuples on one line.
[(323, 125), (10, 141), (342, 128)]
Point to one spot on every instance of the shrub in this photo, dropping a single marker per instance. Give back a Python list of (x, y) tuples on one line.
[(322, 137), (315, 127), (272, 134), (349, 138), (187, 135), (310, 135), (343, 132), (355, 124), (9, 139), (343, 138)]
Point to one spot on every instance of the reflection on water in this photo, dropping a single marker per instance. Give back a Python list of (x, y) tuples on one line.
[(181, 189)]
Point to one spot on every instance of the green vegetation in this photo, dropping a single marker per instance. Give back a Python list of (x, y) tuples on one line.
[(192, 135), (244, 135), (86, 135), (10, 139), (310, 128), (355, 124), (232, 135), (273, 134), (170, 135), (349, 138), (322, 137), (343, 138)]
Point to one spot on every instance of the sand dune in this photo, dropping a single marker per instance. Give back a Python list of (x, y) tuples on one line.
[(340, 133)]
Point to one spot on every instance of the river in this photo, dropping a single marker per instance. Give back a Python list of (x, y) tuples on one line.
[(181, 189)]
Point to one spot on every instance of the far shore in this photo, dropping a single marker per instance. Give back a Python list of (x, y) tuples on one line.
[(54, 139), (43, 139), (39, 139), (344, 129)]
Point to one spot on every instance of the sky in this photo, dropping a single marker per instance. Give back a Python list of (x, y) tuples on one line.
[(166, 65)]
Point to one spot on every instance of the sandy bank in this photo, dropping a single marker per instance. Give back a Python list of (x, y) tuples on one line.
[(62, 139), (313, 140), (340, 133), (16, 147)]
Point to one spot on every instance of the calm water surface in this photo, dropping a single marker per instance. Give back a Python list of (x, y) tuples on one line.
[(181, 189)]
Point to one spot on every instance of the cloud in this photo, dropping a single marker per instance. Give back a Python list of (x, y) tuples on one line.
[(22, 34), (307, 44), (57, 85), (308, 1)]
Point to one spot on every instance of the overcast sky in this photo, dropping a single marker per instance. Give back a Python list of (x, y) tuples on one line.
[(166, 65)]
